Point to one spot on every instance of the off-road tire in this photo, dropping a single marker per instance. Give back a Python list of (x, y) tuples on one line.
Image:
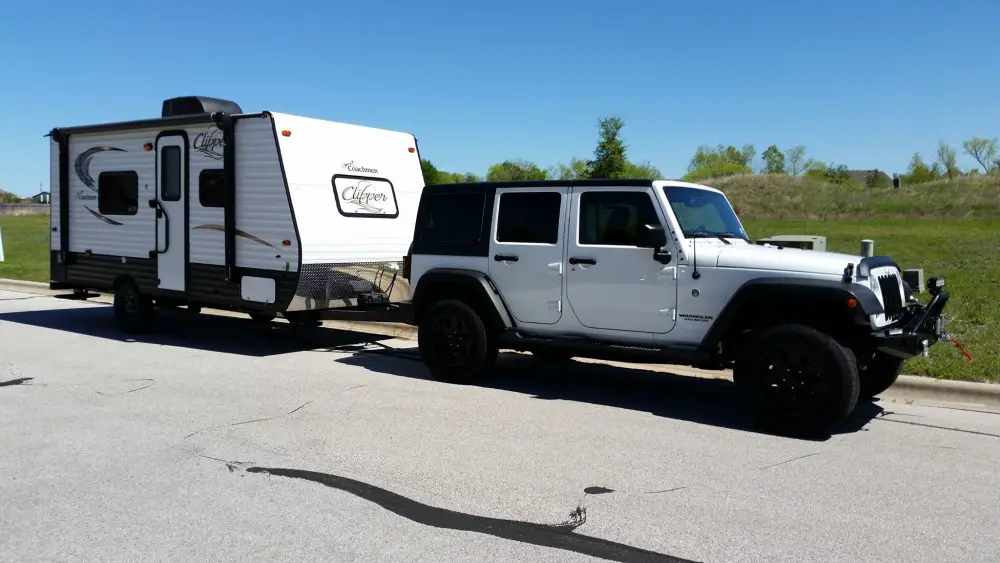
[(133, 310), (815, 392), (881, 372), (455, 344)]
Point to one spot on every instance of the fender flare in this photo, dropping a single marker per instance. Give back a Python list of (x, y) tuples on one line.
[(784, 289), (477, 282)]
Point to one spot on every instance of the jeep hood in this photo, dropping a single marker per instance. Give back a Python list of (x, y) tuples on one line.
[(754, 257)]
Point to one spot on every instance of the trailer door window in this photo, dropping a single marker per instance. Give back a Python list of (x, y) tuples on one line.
[(212, 188), (170, 173), (118, 193)]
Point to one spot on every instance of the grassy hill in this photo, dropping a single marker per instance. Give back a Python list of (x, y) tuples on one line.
[(795, 197)]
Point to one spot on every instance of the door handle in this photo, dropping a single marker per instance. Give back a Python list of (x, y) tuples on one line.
[(589, 261), (505, 258)]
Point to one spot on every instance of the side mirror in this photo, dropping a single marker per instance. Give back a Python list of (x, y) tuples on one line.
[(652, 236)]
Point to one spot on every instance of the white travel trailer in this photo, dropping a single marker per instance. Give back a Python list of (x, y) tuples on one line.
[(264, 213)]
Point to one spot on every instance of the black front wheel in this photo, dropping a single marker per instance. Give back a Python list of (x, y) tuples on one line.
[(797, 380), (881, 371), (454, 342), (133, 310)]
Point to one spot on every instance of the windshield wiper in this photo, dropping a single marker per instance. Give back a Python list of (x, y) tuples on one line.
[(703, 234)]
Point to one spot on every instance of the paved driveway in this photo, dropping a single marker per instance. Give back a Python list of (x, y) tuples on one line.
[(217, 439)]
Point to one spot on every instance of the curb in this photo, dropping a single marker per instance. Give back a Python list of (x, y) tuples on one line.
[(906, 387)]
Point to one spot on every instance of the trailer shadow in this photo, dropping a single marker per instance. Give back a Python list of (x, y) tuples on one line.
[(711, 402), (205, 331)]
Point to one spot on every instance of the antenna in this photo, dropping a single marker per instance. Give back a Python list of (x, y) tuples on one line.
[(694, 251)]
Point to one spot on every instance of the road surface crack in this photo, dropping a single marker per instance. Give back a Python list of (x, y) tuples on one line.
[(789, 460), (248, 421)]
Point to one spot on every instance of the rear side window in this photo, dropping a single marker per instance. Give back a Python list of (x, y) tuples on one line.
[(613, 218), (118, 193), (452, 217), (212, 188), (529, 217)]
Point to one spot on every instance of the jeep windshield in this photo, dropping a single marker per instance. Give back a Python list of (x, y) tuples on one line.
[(704, 214)]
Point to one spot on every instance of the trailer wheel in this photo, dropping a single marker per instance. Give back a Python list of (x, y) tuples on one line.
[(133, 310)]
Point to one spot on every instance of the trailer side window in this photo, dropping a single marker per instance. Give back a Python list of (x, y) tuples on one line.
[(212, 188), (454, 217), (118, 193)]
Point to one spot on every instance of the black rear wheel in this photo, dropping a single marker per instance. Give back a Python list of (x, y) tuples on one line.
[(797, 380), (133, 310), (455, 344)]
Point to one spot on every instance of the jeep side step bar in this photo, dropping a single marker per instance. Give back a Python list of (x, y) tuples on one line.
[(621, 351)]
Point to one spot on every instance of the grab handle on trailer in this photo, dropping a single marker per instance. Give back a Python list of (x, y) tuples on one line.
[(161, 212)]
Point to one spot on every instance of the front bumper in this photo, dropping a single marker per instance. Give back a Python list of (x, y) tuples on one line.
[(920, 327)]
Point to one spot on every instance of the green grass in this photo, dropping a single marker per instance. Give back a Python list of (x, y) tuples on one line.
[(963, 246), (25, 247)]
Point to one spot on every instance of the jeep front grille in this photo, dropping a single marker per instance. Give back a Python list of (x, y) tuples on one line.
[(892, 298)]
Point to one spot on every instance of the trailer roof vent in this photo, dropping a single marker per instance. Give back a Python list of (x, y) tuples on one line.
[(194, 105)]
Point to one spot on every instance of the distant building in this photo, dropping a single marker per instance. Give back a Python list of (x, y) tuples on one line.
[(41, 197)]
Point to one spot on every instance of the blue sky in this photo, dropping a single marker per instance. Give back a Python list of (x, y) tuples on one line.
[(865, 84)]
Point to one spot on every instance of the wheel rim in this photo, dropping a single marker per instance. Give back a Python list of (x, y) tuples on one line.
[(793, 379), (452, 341), (131, 303)]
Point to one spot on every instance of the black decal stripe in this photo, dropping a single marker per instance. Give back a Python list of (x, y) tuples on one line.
[(102, 217), (558, 536), (82, 164), (239, 233)]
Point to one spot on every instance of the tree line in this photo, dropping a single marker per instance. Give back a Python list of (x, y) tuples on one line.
[(610, 161)]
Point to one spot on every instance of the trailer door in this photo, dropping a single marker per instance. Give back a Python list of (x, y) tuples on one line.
[(171, 212)]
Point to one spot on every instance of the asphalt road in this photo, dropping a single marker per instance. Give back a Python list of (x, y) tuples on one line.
[(218, 439)]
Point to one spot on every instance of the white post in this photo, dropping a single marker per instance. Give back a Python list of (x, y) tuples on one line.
[(867, 248), (1, 246)]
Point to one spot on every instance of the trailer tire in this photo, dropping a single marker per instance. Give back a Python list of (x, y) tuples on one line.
[(133, 310), (454, 342)]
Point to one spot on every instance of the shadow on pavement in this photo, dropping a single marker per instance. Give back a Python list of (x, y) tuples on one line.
[(214, 333), (704, 401)]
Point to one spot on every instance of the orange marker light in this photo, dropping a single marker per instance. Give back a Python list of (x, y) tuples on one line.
[(286, 243), (147, 147), (411, 149), (286, 133), (852, 303)]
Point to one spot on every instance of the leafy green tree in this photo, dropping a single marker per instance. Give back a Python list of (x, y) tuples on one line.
[(645, 171), (576, 170), (720, 161), (918, 172), (774, 160), (796, 159), (511, 170), (609, 156), (430, 172), (876, 179), (948, 159), (984, 151)]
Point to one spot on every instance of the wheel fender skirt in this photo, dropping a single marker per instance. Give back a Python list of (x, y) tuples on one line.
[(473, 280), (783, 291)]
